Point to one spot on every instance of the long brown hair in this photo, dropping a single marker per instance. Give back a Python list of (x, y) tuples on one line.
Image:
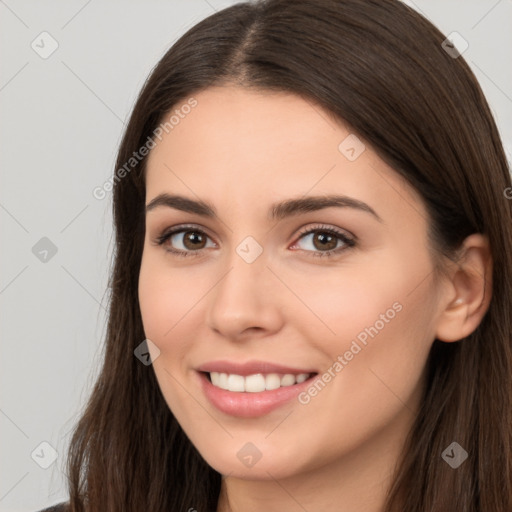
[(380, 67)]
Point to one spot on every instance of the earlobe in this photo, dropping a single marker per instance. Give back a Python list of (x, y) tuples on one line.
[(471, 285)]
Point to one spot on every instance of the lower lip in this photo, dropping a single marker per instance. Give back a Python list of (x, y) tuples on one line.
[(250, 405)]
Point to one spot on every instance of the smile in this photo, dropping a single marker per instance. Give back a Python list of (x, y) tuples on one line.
[(248, 396), (255, 383)]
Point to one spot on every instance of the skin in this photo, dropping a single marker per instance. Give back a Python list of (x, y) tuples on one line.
[(242, 151)]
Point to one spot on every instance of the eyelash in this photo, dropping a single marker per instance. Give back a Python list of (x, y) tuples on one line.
[(349, 243)]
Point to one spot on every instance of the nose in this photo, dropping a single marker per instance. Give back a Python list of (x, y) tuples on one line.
[(245, 300)]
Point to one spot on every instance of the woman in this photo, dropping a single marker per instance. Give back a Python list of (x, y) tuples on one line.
[(375, 377)]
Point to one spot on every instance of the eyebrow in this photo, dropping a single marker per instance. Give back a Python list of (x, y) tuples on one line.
[(277, 211)]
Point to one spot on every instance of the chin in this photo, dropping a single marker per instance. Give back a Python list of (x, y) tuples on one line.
[(246, 463)]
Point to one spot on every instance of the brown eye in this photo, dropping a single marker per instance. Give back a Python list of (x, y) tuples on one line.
[(193, 240), (325, 241), (184, 241), (322, 240)]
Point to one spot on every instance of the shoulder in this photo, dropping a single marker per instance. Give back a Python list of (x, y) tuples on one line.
[(60, 507)]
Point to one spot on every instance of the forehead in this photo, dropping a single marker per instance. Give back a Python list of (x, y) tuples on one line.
[(244, 147), (244, 124)]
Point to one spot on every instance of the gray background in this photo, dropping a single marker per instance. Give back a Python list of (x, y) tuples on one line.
[(61, 122)]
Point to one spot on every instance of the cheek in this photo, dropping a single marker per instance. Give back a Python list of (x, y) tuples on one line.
[(169, 300), (347, 300), (161, 310), (378, 318), (161, 304), (152, 300)]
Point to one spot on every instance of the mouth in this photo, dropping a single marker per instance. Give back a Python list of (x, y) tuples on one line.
[(255, 383), (248, 396)]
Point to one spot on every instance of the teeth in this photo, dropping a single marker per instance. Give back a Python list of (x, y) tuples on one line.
[(302, 377), (255, 383)]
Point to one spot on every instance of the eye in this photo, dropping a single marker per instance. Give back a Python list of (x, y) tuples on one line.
[(326, 239), (189, 239)]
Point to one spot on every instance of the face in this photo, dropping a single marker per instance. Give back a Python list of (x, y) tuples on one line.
[(341, 291)]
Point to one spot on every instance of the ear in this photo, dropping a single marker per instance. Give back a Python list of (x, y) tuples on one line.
[(468, 292)]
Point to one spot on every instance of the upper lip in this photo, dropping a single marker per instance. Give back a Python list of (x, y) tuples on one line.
[(250, 368)]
